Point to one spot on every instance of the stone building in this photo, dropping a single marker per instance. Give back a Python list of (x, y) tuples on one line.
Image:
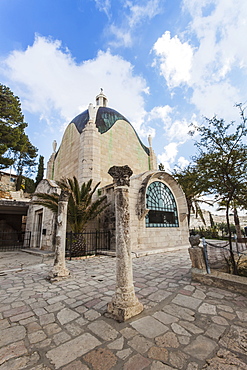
[(13, 211), (94, 141)]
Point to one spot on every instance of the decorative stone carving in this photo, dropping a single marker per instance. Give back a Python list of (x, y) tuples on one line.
[(124, 303), (121, 175), (194, 240), (59, 270), (91, 112)]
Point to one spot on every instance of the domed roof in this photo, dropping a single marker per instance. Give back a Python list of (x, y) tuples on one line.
[(105, 119)]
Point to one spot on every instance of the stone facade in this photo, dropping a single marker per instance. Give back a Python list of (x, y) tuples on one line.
[(13, 206), (149, 238), (93, 142), (41, 221), (91, 152)]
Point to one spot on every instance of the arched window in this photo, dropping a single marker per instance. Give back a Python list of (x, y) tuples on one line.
[(162, 206)]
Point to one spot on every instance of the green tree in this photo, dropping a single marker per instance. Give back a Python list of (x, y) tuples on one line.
[(29, 185), (24, 158), (234, 207), (11, 125), (40, 173), (222, 161), (81, 207), (194, 187), (15, 147)]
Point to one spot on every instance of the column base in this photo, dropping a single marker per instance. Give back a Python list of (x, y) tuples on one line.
[(121, 314), (57, 274)]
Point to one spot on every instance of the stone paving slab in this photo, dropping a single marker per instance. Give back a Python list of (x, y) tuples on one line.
[(185, 325)]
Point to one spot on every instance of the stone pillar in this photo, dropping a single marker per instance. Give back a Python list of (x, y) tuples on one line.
[(197, 258), (196, 253), (124, 303), (89, 156), (152, 158), (59, 270), (50, 163)]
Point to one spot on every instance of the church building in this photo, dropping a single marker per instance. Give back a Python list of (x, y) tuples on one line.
[(94, 141)]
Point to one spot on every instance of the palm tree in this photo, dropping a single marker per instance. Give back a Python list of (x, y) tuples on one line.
[(81, 207)]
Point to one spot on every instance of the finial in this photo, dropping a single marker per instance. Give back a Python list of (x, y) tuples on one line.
[(54, 146), (150, 140), (101, 99)]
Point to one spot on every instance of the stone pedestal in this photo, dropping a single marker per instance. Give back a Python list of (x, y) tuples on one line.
[(124, 304), (197, 258), (59, 270)]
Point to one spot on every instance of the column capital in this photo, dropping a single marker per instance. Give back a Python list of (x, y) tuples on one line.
[(121, 175)]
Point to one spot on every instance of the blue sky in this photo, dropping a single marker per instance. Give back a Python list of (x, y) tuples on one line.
[(162, 64)]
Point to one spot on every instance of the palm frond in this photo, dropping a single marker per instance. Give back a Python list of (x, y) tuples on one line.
[(49, 201), (81, 208)]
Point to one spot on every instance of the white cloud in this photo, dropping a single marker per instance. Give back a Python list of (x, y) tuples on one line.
[(104, 6), (221, 59), (212, 59), (169, 155), (179, 130), (174, 129), (48, 80), (132, 16), (122, 36), (174, 59), (162, 113), (216, 99), (183, 162), (54, 88), (142, 11)]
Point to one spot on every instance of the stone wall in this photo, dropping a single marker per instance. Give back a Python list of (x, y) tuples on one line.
[(43, 238), (120, 146), (91, 154), (67, 158), (156, 238), (149, 238)]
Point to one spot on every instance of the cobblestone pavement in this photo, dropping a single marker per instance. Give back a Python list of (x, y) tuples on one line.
[(63, 325)]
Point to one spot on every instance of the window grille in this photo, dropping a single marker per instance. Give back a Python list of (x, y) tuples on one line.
[(162, 206)]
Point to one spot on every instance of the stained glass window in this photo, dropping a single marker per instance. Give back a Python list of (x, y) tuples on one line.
[(162, 206)]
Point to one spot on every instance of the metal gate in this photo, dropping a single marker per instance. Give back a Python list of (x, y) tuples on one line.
[(10, 241), (87, 243)]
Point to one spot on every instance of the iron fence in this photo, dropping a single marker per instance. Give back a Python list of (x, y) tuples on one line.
[(218, 255), (87, 243), (10, 241)]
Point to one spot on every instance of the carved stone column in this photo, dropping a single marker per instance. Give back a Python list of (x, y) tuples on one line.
[(124, 303), (59, 270)]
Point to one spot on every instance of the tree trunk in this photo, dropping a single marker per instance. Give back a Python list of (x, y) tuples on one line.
[(18, 182), (189, 204), (234, 266), (237, 224)]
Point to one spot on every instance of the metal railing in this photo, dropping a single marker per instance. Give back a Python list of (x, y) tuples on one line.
[(87, 243), (10, 241), (217, 254)]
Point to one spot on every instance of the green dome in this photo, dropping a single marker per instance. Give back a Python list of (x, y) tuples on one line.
[(105, 119)]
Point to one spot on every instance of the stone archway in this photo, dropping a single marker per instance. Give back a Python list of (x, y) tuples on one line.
[(176, 189), (157, 238)]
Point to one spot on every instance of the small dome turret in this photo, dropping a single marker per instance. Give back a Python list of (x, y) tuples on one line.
[(101, 99)]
